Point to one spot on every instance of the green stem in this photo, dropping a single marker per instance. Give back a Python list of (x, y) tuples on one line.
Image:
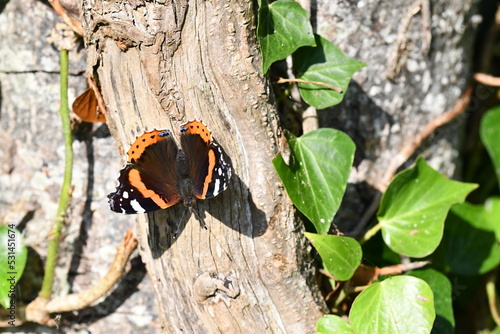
[(370, 233), (65, 198)]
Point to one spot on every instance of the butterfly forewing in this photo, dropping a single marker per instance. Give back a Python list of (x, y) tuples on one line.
[(221, 172), (208, 174), (134, 195), (149, 180)]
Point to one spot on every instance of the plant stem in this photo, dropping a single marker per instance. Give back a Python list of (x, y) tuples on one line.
[(492, 298), (370, 233), (319, 83), (65, 197)]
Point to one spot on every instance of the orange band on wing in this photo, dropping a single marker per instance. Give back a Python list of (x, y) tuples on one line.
[(209, 177), (135, 180)]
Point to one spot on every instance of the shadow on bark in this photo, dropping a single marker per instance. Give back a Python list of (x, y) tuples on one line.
[(165, 227), (3, 3)]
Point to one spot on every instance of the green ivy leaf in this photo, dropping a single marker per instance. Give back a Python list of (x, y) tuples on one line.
[(441, 287), (400, 304), (332, 324), (490, 135), (283, 27), (13, 255), (324, 63), (413, 209), (341, 255), (471, 242), (316, 177)]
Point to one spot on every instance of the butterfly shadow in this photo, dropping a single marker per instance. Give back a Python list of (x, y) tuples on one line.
[(234, 207)]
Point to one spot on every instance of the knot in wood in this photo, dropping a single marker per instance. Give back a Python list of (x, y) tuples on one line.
[(215, 285)]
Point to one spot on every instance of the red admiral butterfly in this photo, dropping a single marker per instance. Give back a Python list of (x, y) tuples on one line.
[(158, 174)]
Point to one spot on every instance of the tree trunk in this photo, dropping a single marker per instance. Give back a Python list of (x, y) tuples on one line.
[(158, 66)]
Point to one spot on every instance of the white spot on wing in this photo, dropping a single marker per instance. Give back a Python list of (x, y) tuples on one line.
[(125, 194), (136, 206), (217, 187)]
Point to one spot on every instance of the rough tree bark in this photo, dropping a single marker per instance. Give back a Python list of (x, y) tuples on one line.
[(159, 64)]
